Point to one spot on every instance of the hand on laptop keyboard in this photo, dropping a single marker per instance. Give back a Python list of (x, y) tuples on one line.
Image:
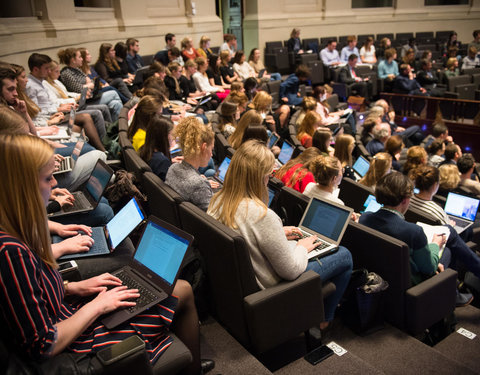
[(73, 245), (308, 243)]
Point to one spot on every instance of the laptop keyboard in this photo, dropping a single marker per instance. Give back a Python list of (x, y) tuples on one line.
[(320, 243), (146, 296), (65, 164), (461, 223), (80, 203)]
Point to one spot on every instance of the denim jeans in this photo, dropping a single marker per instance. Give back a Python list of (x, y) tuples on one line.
[(461, 252), (67, 151), (209, 170), (100, 216), (336, 268), (112, 100), (81, 171), (275, 77)]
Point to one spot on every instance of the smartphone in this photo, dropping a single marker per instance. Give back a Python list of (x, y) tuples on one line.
[(121, 350), (319, 354), (67, 266)]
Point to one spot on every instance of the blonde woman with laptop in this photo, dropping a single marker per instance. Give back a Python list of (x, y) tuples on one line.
[(276, 251)]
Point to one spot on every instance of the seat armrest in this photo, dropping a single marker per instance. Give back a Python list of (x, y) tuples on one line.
[(451, 95), (430, 301), (341, 106), (278, 313)]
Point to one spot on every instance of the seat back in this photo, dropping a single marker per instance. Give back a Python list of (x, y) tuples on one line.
[(134, 163), (384, 35), (471, 71), (413, 215), (386, 256), (442, 36), (332, 101), (466, 91), (316, 69), (228, 267), (273, 88), (124, 141), (269, 46), (476, 80), (221, 146), (305, 58), (453, 82), (162, 200), (291, 205), (354, 194)]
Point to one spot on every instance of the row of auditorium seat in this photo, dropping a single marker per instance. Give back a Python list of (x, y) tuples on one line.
[(250, 314)]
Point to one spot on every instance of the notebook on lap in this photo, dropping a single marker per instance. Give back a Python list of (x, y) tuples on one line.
[(360, 167), (88, 197), (154, 268), (108, 237), (461, 209), (328, 221)]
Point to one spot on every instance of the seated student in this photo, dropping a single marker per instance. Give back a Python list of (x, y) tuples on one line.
[(344, 146), (230, 44), (256, 63), (226, 69), (247, 119), (196, 141), (321, 139), (293, 44), (156, 149), (107, 67), (201, 80), (471, 60), (394, 147), (452, 68), (214, 75), (188, 51), (289, 89), (435, 153), (409, 59), (242, 67), (385, 44), (449, 178), (262, 103), (204, 47), (373, 120), (329, 55), (275, 253), (405, 82), (308, 104), (307, 128), (428, 79), (323, 109), (349, 49), (440, 132), (380, 137), (380, 165), (148, 107), (452, 153), (40, 328), (294, 173), (328, 173), (349, 76), (416, 156), (395, 192), (228, 122), (388, 68), (121, 52), (367, 52), (466, 167), (134, 60)]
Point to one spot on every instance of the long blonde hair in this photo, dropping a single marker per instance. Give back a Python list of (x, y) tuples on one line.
[(379, 167), (245, 179), (50, 80), (192, 134), (251, 117), (261, 102), (22, 210), (32, 108), (307, 126), (342, 152)]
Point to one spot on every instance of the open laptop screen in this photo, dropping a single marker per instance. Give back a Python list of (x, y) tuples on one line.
[(222, 169), (98, 181), (272, 140), (161, 251), (361, 166), (124, 222), (371, 204), (326, 219), (285, 153), (462, 206)]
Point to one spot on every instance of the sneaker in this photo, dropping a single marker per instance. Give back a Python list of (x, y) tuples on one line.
[(463, 299)]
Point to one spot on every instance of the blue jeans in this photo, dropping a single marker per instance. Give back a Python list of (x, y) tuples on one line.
[(67, 151), (209, 170), (100, 216), (461, 252), (275, 77), (336, 268), (113, 101)]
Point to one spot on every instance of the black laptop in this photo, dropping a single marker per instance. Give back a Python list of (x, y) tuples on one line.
[(154, 268), (108, 237), (88, 197)]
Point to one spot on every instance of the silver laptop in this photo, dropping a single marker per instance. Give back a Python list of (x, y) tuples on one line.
[(154, 268), (108, 237), (360, 167), (285, 155), (88, 197), (462, 210), (68, 162), (328, 221)]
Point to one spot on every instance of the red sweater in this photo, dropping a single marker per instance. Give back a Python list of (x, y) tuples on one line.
[(304, 177)]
